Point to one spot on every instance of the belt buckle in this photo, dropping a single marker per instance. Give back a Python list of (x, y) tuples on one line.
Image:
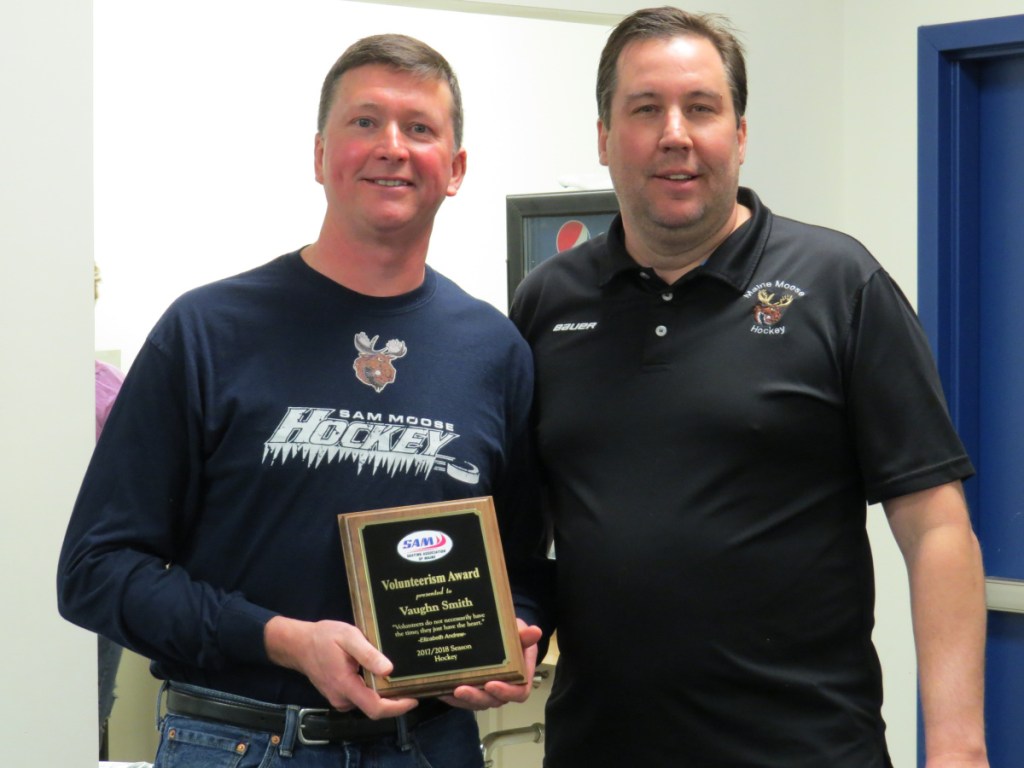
[(302, 717)]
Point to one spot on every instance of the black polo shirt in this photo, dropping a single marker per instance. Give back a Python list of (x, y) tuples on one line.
[(709, 447)]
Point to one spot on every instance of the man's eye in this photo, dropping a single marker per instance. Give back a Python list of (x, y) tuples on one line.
[(364, 122), (420, 128), (645, 109)]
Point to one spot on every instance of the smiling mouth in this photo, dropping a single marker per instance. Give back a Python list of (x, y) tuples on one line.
[(391, 183), (678, 177)]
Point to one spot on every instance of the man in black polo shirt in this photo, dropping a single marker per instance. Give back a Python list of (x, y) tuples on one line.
[(719, 391)]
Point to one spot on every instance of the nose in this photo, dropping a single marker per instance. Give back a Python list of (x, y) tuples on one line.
[(392, 145), (675, 133)]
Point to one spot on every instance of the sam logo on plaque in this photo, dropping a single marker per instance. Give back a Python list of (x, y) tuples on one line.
[(430, 590), (424, 546)]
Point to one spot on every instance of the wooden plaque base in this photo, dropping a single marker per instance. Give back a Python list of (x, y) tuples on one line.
[(430, 590)]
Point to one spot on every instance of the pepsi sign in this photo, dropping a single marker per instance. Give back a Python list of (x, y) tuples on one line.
[(572, 233)]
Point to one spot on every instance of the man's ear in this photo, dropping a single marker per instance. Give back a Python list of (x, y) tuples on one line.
[(318, 158), (741, 138), (602, 142), (458, 172)]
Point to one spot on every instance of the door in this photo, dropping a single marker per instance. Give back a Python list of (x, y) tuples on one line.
[(971, 267)]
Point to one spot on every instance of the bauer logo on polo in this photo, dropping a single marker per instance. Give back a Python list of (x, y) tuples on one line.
[(424, 546), (561, 327), (376, 367)]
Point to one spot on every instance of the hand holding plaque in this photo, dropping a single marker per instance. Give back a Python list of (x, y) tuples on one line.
[(430, 590)]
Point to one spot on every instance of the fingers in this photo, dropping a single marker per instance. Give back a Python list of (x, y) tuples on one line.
[(349, 691), (506, 692), (351, 688), (476, 699), (529, 635), (354, 643), (330, 654), (336, 652), (493, 694), (376, 708), (496, 693)]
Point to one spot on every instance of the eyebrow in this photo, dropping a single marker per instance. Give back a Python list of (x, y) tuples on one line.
[(370, 106), (695, 94)]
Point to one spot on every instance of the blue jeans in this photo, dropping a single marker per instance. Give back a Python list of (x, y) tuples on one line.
[(450, 740)]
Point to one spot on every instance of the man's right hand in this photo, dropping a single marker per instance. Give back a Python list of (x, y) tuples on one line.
[(330, 654)]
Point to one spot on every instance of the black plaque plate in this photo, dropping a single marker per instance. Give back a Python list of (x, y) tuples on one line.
[(430, 590)]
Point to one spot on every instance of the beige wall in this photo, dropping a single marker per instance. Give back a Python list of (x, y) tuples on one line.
[(880, 128), (832, 140), (47, 668)]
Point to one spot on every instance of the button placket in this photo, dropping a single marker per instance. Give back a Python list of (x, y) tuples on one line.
[(661, 315)]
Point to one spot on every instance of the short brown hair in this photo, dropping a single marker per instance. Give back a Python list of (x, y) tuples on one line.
[(666, 22), (406, 54)]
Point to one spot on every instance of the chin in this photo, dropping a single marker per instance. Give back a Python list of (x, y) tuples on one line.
[(678, 221)]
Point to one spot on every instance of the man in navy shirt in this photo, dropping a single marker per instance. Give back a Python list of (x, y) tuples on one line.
[(344, 376)]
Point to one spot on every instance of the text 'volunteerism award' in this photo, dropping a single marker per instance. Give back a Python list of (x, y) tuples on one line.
[(430, 590)]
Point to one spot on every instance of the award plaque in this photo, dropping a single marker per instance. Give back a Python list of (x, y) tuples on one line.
[(430, 591)]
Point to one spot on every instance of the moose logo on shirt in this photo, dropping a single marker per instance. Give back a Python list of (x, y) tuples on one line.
[(375, 367), (767, 311)]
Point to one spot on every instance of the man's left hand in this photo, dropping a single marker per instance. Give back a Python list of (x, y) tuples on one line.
[(496, 693)]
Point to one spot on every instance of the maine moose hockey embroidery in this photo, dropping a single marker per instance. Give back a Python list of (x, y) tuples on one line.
[(768, 311)]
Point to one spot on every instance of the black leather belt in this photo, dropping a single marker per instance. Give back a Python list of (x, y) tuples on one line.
[(316, 726)]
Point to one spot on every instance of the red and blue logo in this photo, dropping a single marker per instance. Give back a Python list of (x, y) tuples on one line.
[(574, 232), (424, 546)]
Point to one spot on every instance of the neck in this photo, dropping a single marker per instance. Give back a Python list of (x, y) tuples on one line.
[(673, 256), (377, 268)]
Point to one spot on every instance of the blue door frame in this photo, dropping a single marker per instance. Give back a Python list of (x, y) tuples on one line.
[(949, 225), (948, 215)]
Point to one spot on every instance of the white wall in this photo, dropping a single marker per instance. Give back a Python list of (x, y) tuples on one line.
[(832, 140), (880, 131), (47, 668), (204, 152)]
